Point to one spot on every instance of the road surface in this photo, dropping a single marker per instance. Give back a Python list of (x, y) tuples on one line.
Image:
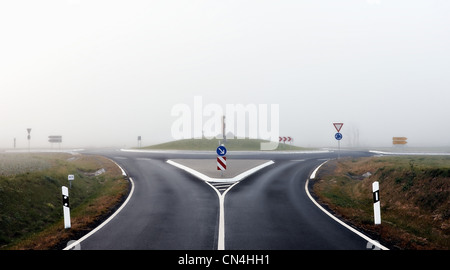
[(171, 209)]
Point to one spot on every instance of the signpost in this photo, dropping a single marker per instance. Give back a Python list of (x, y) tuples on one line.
[(71, 177), (66, 207), (29, 138), (221, 159), (55, 139), (221, 151), (221, 163), (399, 140), (338, 136), (376, 202), (338, 126), (284, 139)]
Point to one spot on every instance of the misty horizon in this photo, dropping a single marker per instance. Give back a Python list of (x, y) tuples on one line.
[(102, 73)]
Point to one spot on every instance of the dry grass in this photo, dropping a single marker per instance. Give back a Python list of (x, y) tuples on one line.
[(30, 198), (414, 196), (15, 163)]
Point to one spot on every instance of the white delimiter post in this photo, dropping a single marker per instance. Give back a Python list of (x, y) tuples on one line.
[(66, 207), (376, 202)]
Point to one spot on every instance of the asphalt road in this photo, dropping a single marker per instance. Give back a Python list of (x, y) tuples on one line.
[(271, 210), (171, 209)]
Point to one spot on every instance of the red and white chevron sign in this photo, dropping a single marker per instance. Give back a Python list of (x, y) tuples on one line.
[(221, 163)]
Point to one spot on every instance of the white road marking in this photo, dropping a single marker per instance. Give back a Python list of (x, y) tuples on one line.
[(208, 180), (75, 243), (144, 159), (123, 158), (373, 242), (313, 175), (409, 153), (212, 179)]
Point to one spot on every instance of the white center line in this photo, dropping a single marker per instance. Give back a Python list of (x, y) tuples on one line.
[(207, 179)]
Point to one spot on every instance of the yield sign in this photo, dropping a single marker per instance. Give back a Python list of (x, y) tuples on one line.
[(338, 126)]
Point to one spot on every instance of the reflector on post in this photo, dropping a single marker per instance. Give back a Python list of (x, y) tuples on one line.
[(376, 202), (66, 207)]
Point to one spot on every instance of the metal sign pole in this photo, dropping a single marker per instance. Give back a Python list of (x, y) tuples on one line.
[(338, 137), (339, 149), (70, 177), (29, 138)]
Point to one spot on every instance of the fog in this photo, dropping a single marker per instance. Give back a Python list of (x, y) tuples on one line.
[(102, 73)]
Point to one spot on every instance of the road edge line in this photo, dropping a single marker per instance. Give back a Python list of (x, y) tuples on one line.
[(365, 237), (78, 242)]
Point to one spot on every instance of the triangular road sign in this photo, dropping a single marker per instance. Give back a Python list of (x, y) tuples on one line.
[(338, 126)]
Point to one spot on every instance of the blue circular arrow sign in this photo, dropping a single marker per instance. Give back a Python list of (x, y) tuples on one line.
[(221, 151), (338, 136)]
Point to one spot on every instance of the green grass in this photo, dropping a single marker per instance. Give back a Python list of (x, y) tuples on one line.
[(30, 199), (414, 196), (211, 145)]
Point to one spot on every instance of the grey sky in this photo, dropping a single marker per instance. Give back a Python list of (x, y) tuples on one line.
[(100, 73)]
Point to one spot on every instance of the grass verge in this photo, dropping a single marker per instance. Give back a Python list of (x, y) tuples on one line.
[(31, 203), (212, 144), (414, 196)]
